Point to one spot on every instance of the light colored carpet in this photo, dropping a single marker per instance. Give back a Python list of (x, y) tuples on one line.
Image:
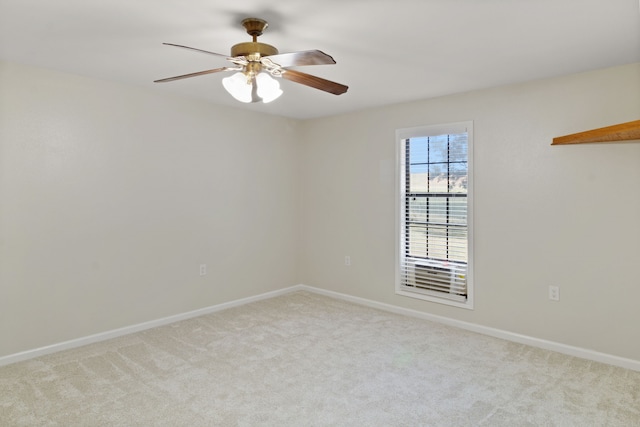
[(307, 360)]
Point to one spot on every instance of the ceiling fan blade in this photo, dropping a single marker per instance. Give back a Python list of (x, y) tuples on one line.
[(306, 57), (199, 73), (197, 50), (314, 82)]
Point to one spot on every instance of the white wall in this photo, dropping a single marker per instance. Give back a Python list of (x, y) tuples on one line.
[(563, 215), (111, 196)]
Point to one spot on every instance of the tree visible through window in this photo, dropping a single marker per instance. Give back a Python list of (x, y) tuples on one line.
[(434, 252)]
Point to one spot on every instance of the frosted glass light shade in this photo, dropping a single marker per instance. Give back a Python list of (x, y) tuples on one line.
[(238, 86), (268, 87)]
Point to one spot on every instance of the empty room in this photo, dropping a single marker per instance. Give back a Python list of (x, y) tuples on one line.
[(302, 213)]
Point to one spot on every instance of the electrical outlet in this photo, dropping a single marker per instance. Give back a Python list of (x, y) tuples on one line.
[(554, 293), (347, 260), (203, 269)]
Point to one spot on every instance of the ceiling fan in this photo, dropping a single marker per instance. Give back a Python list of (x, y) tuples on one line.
[(257, 63)]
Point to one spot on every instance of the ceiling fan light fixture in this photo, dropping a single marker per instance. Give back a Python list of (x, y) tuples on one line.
[(238, 86)]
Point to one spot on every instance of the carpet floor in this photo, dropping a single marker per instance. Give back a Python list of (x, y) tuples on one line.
[(308, 360)]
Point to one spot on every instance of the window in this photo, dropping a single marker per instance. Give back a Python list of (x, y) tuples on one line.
[(435, 213)]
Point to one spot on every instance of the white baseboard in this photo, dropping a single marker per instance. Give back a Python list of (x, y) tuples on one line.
[(498, 333), (103, 336), (582, 353)]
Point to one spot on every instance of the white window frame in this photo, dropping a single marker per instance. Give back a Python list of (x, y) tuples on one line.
[(421, 131)]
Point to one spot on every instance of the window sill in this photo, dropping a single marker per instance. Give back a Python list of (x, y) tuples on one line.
[(468, 304)]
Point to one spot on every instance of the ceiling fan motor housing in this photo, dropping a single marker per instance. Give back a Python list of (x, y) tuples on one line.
[(253, 48)]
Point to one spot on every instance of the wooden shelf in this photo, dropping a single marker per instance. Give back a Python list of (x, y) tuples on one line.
[(623, 132)]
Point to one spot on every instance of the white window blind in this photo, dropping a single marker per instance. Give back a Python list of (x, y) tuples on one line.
[(434, 255)]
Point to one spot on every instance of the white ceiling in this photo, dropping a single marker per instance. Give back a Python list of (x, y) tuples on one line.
[(387, 51)]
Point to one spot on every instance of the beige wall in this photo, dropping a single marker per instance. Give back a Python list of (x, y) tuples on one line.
[(111, 196), (565, 215)]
